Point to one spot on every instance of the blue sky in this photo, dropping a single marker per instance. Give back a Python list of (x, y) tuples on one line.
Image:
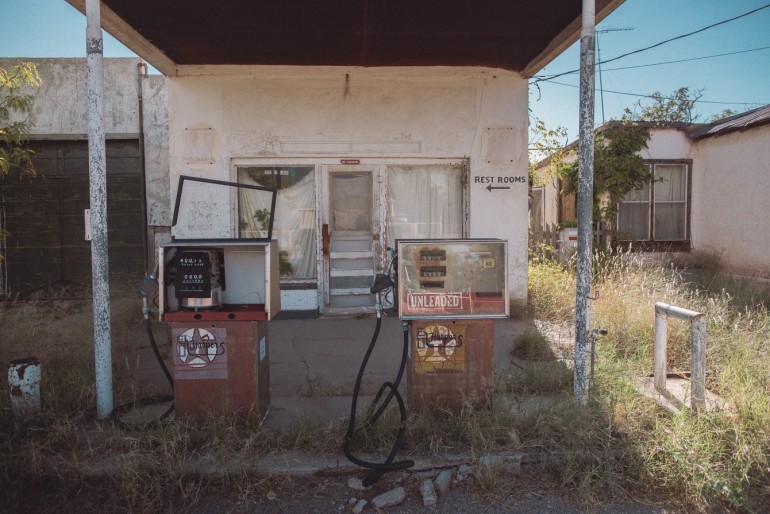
[(52, 28)]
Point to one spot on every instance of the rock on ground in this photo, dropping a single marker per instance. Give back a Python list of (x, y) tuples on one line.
[(390, 498)]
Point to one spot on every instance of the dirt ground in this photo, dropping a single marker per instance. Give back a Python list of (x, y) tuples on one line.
[(508, 495)]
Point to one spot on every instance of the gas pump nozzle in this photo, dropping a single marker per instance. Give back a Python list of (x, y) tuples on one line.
[(381, 283)]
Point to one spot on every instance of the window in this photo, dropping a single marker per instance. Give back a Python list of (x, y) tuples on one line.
[(294, 224), (658, 211), (425, 202)]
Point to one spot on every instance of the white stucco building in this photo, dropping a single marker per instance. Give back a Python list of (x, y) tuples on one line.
[(374, 121), (711, 192)]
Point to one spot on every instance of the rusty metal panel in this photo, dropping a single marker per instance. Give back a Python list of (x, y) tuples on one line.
[(451, 362), (221, 367)]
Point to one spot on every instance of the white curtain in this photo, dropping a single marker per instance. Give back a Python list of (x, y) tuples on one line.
[(670, 202), (294, 224), (425, 202)]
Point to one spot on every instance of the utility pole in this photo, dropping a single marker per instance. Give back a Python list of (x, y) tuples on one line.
[(599, 60), (585, 201), (97, 179)]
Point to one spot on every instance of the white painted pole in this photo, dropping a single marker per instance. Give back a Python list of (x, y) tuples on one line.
[(698, 377), (97, 176), (661, 343), (585, 202)]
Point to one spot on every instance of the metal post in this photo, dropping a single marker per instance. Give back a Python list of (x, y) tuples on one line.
[(698, 377), (585, 201), (698, 330), (97, 177), (660, 349)]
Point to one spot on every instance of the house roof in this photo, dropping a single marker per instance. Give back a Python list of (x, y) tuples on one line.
[(517, 35), (737, 123), (695, 131), (616, 123)]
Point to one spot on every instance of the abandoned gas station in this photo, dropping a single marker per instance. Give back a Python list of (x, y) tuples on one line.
[(375, 123), (330, 159)]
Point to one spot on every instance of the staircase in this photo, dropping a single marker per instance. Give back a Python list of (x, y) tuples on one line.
[(351, 272)]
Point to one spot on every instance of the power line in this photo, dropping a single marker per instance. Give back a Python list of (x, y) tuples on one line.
[(638, 95), (548, 78), (690, 59)]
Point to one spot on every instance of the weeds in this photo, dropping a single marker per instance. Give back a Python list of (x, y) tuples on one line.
[(715, 458), (619, 440)]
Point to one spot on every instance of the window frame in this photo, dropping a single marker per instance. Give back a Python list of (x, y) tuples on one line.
[(653, 244)]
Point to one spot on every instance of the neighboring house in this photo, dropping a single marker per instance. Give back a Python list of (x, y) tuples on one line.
[(44, 216), (376, 121), (711, 192)]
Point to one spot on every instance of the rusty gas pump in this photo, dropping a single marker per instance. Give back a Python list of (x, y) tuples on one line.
[(451, 292)]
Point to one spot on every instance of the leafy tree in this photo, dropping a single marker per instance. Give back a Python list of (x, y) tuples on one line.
[(677, 107), (618, 168), (545, 142), (15, 106), (722, 115)]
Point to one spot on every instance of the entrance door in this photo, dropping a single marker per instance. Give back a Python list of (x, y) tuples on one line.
[(351, 252)]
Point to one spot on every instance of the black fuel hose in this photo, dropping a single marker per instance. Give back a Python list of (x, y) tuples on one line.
[(119, 411), (161, 362), (379, 468)]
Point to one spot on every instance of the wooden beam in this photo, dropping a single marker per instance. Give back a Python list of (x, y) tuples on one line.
[(123, 32), (566, 37)]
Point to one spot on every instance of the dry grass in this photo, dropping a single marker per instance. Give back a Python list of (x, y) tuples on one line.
[(718, 458), (619, 440)]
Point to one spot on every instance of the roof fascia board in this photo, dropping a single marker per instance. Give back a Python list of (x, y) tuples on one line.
[(123, 32), (566, 37)]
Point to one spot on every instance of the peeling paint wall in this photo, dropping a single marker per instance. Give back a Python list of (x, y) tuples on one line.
[(60, 102), (156, 150), (221, 113), (731, 200), (59, 113)]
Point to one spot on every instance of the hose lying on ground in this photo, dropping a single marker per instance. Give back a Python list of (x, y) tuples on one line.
[(379, 468)]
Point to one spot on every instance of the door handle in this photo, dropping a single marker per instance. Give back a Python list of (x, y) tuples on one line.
[(325, 236)]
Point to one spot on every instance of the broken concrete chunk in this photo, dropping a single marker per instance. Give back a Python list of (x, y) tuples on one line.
[(356, 484), (464, 472), (428, 493), (359, 506), (443, 481), (390, 498)]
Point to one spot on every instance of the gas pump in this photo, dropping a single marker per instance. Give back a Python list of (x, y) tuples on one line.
[(217, 296), (450, 292)]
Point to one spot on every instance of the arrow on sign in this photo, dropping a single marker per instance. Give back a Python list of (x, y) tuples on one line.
[(491, 187)]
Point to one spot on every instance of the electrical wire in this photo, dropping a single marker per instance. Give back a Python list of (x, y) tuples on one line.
[(639, 95), (682, 36)]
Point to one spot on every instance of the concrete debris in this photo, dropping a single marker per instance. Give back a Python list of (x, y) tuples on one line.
[(360, 504), (356, 484), (494, 463), (443, 481), (390, 498), (464, 472), (428, 493), (352, 500)]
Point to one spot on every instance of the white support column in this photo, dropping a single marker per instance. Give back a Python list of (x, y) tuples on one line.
[(661, 343), (97, 177), (585, 203)]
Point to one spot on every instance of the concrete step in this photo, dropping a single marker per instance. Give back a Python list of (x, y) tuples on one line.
[(352, 273), (350, 291)]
